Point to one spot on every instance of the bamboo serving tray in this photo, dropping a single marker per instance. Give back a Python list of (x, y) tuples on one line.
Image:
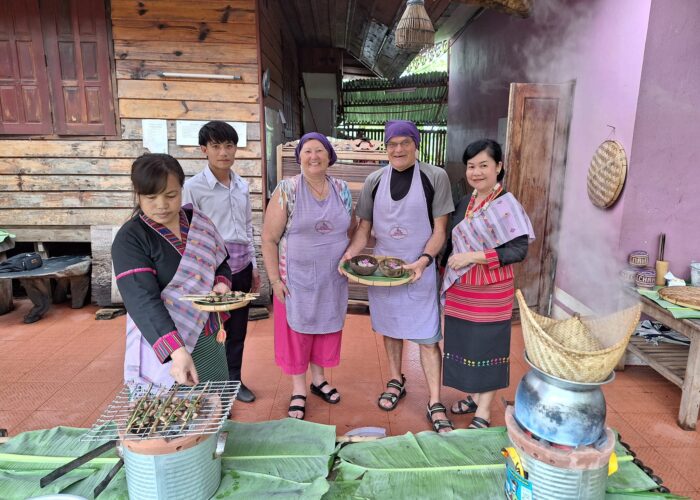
[(220, 306), (686, 296), (236, 300), (376, 279)]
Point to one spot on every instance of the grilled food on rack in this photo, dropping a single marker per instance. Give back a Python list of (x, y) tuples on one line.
[(224, 298), (157, 412)]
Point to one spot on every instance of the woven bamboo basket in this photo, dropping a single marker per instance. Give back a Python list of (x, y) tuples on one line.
[(581, 350)]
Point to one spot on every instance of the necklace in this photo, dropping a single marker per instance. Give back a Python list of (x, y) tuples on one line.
[(321, 193), (484, 204)]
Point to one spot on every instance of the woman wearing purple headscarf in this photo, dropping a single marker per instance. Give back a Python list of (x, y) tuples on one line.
[(307, 228)]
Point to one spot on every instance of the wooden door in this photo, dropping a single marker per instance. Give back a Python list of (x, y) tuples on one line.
[(535, 159)]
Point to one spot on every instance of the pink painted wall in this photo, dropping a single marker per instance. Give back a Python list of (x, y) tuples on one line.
[(663, 187), (600, 45)]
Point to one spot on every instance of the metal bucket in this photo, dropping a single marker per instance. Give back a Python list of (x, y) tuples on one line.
[(550, 482), (190, 474), (554, 473), (560, 411)]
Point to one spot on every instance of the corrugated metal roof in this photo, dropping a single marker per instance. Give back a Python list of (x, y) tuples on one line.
[(420, 98)]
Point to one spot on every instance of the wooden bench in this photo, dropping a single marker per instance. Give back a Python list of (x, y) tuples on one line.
[(69, 272), (678, 364)]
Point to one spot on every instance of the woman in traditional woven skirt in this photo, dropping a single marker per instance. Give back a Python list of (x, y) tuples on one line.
[(490, 232), (306, 231), (163, 252)]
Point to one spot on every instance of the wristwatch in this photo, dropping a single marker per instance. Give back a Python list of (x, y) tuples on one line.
[(430, 258)]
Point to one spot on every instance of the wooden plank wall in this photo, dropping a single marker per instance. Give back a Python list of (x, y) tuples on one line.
[(276, 37), (55, 189)]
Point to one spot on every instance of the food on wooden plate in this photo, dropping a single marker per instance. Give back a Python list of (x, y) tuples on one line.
[(363, 265), (392, 267)]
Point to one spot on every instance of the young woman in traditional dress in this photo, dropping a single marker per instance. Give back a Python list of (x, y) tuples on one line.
[(307, 227), (490, 231), (163, 252)]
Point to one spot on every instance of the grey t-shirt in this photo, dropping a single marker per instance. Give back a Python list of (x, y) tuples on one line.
[(436, 177)]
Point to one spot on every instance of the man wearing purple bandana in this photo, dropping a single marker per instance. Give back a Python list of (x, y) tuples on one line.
[(407, 204)]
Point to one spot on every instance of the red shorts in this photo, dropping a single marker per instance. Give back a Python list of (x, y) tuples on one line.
[(294, 351)]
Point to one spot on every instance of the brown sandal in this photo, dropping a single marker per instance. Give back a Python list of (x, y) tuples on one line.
[(292, 408)]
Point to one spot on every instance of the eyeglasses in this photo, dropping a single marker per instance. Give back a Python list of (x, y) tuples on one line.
[(404, 144)]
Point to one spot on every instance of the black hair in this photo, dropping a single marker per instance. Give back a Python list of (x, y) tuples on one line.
[(492, 148), (217, 132), (149, 173)]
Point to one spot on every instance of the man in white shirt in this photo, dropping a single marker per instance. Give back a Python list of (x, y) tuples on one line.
[(224, 197)]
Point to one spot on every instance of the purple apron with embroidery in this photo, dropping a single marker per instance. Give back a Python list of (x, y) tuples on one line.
[(503, 220), (316, 241), (402, 229), (238, 256), (195, 275)]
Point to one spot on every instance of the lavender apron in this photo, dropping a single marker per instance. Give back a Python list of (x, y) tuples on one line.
[(316, 241), (204, 252), (402, 229)]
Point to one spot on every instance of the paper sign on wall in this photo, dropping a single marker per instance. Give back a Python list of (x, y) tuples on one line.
[(187, 132), (155, 135)]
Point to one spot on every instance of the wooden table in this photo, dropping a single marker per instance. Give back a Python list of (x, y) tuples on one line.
[(677, 363)]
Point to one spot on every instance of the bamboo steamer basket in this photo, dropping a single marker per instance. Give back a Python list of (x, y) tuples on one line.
[(580, 350)]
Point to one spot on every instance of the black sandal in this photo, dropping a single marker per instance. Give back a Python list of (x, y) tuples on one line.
[(390, 396), (469, 403), (441, 423), (326, 396), (479, 423), (292, 408)]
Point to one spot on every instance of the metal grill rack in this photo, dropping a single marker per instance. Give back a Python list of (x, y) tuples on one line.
[(216, 402)]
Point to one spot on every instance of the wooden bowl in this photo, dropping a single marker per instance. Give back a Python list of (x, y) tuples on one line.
[(392, 267), (363, 270), (639, 258)]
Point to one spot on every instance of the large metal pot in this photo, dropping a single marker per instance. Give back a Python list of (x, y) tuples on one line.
[(560, 411)]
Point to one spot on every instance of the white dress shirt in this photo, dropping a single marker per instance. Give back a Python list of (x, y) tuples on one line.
[(228, 207)]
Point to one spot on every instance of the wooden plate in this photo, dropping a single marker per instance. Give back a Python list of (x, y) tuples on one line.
[(376, 279), (686, 296), (220, 306)]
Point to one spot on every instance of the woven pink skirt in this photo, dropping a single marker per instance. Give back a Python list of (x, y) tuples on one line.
[(294, 351)]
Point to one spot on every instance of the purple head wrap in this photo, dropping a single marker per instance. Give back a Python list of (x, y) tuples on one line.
[(394, 128), (320, 138)]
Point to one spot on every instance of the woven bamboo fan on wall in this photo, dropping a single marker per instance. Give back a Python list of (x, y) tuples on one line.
[(607, 173)]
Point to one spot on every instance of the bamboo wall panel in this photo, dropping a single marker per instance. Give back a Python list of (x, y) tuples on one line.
[(54, 189)]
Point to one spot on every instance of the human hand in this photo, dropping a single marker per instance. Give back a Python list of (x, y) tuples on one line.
[(459, 260), (280, 290), (417, 267), (221, 288), (346, 257), (255, 285), (183, 369)]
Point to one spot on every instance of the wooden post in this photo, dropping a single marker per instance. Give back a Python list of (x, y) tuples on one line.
[(6, 285)]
